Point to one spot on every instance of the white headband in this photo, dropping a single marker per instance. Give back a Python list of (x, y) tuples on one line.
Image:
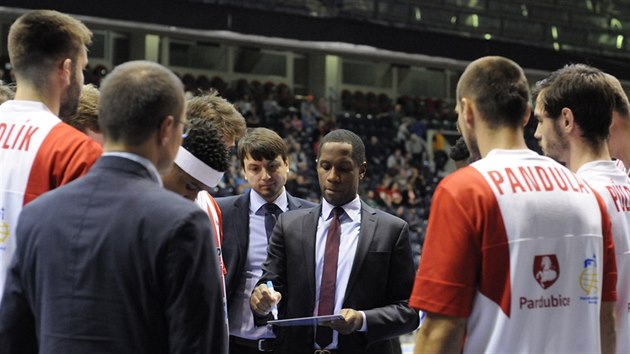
[(197, 169)]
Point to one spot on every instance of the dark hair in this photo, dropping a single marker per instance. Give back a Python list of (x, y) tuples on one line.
[(136, 98), (204, 142), (459, 151), (499, 89), (586, 92), (261, 143), (345, 136), (622, 106), (38, 39)]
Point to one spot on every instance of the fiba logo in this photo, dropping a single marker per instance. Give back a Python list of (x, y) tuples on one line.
[(588, 278), (4, 227), (546, 270)]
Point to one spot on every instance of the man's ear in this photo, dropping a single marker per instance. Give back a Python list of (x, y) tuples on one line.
[(468, 112), (567, 120), (362, 170), (65, 71), (528, 115), (165, 133)]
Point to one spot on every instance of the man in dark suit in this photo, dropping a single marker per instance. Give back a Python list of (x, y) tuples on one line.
[(247, 220), (342, 257), (114, 263)]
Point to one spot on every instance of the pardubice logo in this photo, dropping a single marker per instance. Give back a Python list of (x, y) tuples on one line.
[(546, 271)]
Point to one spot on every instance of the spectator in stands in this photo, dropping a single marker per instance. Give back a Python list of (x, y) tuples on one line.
[(309, 112), (86, 117), (439, 151), (271, 107), (322, 107)]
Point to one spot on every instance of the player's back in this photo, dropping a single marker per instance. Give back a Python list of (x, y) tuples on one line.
[(542, 259), (613, 185)]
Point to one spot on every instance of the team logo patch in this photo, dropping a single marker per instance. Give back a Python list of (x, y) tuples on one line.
[(546, 270), (4, 227), (588, 278)]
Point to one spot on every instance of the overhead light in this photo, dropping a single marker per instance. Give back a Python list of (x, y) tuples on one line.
[(418, 14), (554, 33), (453, 20), (487, 36), (556, 46), (475, 20), (615, 24), (619, 41), (524, 10)]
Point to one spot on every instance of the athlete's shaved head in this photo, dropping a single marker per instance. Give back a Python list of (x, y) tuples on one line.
[(499, 89)]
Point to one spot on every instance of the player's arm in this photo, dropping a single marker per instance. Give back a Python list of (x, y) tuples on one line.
[(440, 334), (607, 327)]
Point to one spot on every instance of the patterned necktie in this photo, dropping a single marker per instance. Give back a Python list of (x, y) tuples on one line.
[(329, 278), (271, 215)]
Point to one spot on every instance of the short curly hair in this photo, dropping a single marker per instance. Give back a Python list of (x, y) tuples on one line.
[(205, 143)]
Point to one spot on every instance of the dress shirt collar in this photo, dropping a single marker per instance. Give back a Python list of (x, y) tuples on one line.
[(256, 201), (141, 160), (352, 209)]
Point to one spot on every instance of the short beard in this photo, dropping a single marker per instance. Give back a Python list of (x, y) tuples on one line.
[(70, 99)]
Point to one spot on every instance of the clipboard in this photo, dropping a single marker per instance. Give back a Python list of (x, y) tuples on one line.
[(305, 321)]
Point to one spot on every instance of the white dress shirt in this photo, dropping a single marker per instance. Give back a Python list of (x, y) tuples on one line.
[(240, 314), (350, 222)]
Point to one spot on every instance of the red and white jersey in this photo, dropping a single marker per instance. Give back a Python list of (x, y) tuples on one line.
[(210, 206), (522, 248), (619, 164), (614, 187), (37, 154)]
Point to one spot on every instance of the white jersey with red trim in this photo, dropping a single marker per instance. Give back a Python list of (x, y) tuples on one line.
[(210, 206), (614, 187), (521, 247), (37, 153)]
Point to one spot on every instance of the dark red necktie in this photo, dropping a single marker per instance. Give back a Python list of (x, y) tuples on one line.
[(329, 278)]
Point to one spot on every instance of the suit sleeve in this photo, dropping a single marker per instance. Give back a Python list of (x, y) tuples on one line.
[(17, 322), (192, 288), (395, 317)]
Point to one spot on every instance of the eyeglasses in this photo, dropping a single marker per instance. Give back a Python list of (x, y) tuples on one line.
[(185, 129)]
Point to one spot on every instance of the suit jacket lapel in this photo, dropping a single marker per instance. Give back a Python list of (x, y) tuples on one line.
[(310, 222), (366, 235), (293, 203), (241, 222)]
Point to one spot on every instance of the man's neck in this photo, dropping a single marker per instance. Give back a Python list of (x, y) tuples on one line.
[(582, 153), (26, 92), (500, 138)]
